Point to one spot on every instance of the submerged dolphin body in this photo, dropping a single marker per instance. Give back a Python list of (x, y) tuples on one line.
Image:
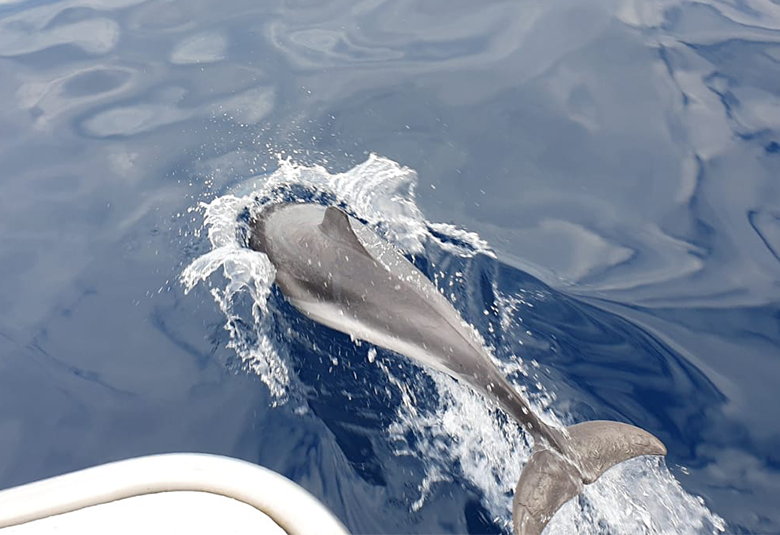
[(339, 273)]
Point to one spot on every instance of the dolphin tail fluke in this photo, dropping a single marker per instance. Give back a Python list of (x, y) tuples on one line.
[(550, 479)]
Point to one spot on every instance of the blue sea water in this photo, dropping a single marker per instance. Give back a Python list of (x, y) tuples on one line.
[(593, 185)]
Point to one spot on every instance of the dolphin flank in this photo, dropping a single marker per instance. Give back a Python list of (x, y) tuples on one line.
[(338, 272)]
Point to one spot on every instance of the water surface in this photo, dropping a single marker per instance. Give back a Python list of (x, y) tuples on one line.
[(595, 185)]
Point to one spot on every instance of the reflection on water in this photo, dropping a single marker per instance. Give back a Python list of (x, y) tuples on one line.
[(626, 153), (203, 48)]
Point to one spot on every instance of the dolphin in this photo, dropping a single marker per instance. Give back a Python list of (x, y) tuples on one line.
[(338, 272)]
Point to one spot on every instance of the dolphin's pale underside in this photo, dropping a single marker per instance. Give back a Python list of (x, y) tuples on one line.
[(338, 272)]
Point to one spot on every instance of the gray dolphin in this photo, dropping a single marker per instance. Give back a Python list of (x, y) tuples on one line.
[(338, 272)]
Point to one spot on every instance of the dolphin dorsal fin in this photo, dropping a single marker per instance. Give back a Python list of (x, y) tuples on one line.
[(336, 226), (336, 222)]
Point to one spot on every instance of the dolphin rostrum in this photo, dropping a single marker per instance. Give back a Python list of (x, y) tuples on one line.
[(338, 272)]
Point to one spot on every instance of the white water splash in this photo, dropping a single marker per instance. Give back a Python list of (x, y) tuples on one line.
[(462, 436), (475, 243), (378, 191), (245, 271)]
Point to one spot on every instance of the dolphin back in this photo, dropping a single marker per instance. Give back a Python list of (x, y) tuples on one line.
[(551, 478)]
